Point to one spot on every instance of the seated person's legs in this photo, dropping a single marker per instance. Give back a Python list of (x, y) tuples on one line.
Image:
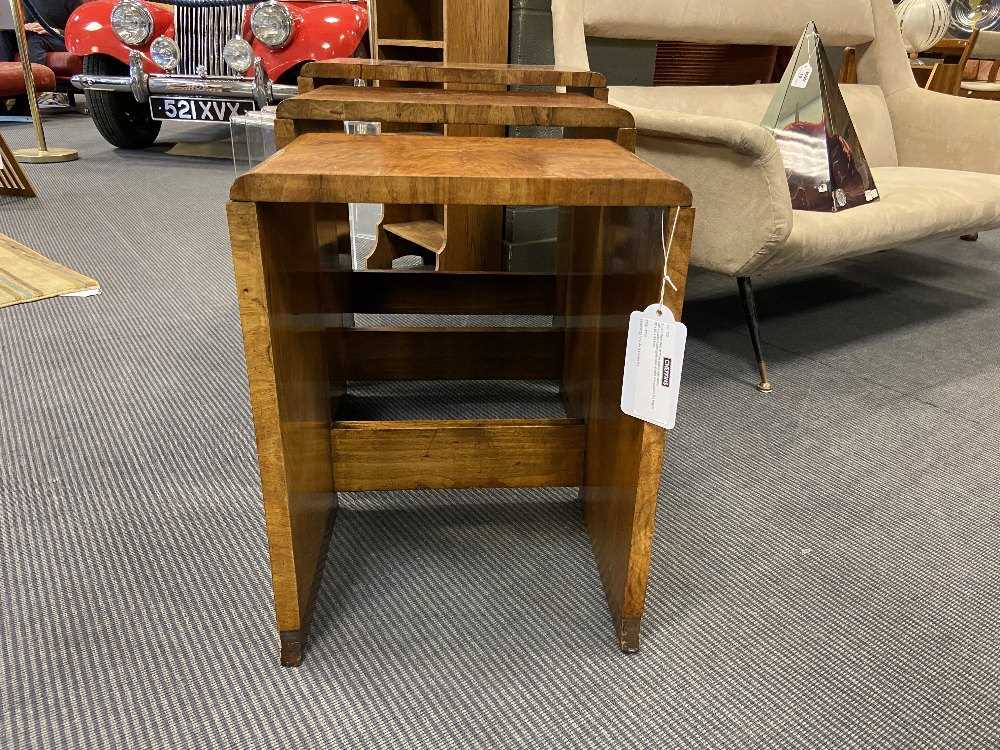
[(41, 44)]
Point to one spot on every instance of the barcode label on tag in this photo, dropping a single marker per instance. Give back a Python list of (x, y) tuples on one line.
[(654, 355), (801, 78)]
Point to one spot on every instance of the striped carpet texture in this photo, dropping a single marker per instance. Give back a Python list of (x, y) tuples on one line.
[(826, 571)]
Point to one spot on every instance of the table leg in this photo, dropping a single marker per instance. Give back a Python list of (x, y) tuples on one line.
[(474, 234), (292, 289), (623, 258)]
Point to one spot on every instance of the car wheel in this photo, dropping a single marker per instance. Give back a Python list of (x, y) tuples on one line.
[(122, 120)]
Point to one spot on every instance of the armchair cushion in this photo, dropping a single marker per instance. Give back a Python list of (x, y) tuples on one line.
[(745, 223), (980, 86), (12, 79), (709, 137), (916, 203)]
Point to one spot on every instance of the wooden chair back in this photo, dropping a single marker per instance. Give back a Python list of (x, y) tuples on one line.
[(945, 78), (983, 46), (13, 180)]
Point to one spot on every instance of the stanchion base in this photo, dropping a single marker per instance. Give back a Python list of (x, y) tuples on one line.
[(38, 156)]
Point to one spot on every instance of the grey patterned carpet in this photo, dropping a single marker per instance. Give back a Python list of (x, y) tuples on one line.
[(825, 569)]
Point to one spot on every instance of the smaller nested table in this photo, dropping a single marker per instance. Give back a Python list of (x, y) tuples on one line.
[(454, 99), (290, 237), (449, 94)]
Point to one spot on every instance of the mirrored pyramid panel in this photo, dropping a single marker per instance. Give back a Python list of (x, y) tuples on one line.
[(824, 162)]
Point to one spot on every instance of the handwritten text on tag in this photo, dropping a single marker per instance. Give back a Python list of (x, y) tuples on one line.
[(802, 75)]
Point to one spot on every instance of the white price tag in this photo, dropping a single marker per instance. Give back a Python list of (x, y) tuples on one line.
[(801, 78), (654, 355)]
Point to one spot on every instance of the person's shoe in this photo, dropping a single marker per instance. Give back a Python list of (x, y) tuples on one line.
[(53, 100)]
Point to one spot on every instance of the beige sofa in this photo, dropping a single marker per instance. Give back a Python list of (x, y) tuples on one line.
[(935, 157)]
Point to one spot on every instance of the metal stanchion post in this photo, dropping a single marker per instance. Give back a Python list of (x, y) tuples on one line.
[(43, 153)]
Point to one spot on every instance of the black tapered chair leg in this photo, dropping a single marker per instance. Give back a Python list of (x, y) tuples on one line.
[(750, 310)]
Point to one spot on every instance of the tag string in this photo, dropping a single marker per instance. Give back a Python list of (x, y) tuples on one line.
[(667, 244)]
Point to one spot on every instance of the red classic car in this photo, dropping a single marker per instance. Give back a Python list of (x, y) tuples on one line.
[(199, 60)]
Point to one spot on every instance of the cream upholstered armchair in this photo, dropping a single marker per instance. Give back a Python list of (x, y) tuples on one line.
[(935, 158)]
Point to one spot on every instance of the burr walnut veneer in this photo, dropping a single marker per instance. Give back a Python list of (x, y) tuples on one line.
[(298, 298)]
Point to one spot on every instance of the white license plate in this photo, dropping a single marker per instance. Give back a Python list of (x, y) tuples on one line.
[(197, 110)]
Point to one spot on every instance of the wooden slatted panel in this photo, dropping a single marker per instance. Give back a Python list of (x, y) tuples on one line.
[(13, 180), (457, 454), (688, 64)]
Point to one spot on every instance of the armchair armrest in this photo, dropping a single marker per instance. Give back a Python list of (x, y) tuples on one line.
[(737, 177), (945, 132), (744, 138), (498, 74)]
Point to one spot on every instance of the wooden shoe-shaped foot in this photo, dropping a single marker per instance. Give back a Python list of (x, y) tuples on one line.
[(293, 646), (628, 634)]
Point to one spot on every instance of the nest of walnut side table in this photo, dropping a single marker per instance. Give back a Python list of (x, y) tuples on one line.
[(298, 296), (456, 100)]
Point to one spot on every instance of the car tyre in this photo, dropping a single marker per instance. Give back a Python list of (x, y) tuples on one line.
[(122, 120)]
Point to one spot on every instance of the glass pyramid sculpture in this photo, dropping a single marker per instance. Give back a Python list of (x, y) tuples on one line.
[(825, 164)]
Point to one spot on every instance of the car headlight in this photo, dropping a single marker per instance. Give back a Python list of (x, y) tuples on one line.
[(271, 22), (165, 52), (238, 54), (132, 22)]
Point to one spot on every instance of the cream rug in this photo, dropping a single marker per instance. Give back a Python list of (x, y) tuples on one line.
[(26, 276)]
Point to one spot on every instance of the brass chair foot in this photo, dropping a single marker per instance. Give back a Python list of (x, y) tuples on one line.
[(764, 386)]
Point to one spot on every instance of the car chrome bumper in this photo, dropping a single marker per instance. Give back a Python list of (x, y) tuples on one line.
[(142, 85)]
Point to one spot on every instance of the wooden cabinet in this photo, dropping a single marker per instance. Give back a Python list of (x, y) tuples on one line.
[(458, 31), (439, 30)]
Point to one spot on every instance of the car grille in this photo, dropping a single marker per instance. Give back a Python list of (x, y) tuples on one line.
[(201, 35)]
